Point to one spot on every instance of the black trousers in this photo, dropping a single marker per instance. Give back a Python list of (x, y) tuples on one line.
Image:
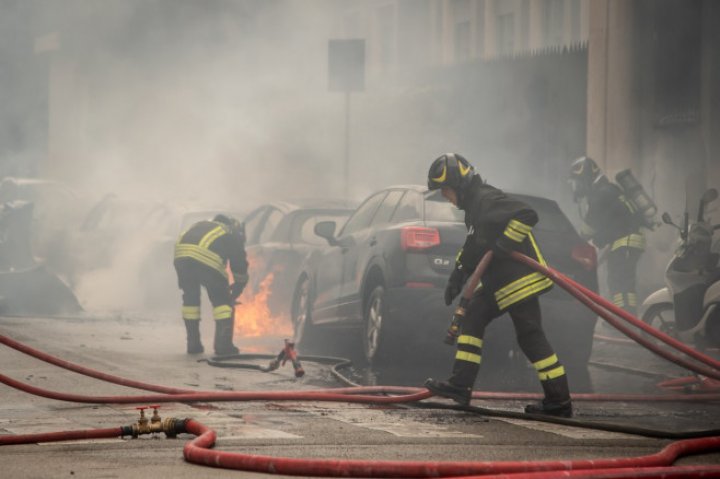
[(622, 277), (192, 277), (527, 321)]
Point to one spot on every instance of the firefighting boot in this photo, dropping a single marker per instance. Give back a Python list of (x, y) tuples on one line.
[(194, 346), (557, 399), (223, 337), (459, 394)]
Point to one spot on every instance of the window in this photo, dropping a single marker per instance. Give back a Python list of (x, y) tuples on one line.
[(304, 227), (252, 222), (273, 220), (409, 208), (387, 208), (362, 217), (438, 208)]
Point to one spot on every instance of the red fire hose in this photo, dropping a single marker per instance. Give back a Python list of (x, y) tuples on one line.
[(607, 310), (197, 451)]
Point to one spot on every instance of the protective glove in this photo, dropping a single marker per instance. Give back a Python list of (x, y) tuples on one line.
[(236, 289), (454, 285)]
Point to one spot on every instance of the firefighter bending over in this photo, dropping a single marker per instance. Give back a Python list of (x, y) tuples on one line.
[(201, 257), (496, 222), (610, 219)]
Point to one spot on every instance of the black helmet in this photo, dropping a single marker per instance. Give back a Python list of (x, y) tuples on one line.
[(236, 227), (450, 170), (583, 173)]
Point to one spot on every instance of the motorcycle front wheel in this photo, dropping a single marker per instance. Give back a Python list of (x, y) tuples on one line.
[(662, 317)]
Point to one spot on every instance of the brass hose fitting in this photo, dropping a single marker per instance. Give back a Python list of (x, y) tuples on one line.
[(171, 427)]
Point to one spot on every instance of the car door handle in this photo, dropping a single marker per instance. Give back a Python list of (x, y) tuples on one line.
[(373, 241)]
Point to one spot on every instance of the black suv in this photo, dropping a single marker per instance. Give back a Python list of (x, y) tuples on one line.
[(383, 274)]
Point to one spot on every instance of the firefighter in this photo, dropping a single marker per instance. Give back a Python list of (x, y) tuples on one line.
[(610, 220), (202, 254), (503, 224)]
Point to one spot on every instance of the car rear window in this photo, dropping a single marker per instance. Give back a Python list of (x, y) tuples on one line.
[(438, 208)]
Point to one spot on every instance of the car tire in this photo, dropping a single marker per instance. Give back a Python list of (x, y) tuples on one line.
[(300, 313), (661, 316), (375, 327)]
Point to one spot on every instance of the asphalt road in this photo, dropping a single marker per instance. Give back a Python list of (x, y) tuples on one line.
[(152, 350)]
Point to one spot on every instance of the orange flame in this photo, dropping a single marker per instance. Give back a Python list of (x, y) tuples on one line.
[(252, 316)]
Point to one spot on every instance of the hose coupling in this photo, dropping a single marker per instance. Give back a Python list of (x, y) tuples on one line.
[(171, 427)]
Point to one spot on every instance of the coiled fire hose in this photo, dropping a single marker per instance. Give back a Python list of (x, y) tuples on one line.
[(196, 451)]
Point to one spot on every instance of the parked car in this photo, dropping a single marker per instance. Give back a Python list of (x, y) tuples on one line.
[(279, 235), (383, 273)]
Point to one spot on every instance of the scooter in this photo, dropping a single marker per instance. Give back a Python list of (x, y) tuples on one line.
[(689, 307)]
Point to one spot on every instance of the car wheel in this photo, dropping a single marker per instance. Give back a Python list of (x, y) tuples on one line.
[(300, 312), (661, 317), (375, 327)]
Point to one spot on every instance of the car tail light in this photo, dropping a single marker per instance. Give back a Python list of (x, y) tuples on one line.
[(419, 237), (586, 255)]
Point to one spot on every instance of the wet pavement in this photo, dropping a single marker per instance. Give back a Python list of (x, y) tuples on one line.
[(151, 349)]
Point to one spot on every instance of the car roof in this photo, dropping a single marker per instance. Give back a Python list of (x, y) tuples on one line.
[(424, 189), (312, 203)]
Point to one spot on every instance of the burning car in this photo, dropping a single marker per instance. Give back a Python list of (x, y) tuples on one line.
[(278, 236)]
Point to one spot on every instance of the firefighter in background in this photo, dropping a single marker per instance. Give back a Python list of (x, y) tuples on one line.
[(500, 223), (202, 254), (610, 220)]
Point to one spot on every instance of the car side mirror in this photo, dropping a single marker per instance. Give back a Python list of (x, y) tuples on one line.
[(667, 219), (326, 229)]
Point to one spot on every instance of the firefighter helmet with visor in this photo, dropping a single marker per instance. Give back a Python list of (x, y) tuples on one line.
[(450, 171), (583, 173)]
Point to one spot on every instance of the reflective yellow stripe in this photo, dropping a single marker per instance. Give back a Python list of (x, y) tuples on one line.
[(513, 235), (552, 374), (222, 312), (443, 175), (632, 299), (526, 292), (634, 240), (618, 299), (457, 257), (517, 285), (202, 255), (539, 255), (520, 227), (191, 312), (211, 236), (543, 363), (471, 340), (469, 357)]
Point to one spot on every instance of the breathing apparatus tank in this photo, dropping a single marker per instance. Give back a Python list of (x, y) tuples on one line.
[(635, 193)]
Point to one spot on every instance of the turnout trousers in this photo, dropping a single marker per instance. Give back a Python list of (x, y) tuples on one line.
[(527, 321), (192, 277)]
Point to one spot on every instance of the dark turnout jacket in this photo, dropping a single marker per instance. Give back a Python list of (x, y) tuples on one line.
[(491, 215), (214, 245), (611, 219)]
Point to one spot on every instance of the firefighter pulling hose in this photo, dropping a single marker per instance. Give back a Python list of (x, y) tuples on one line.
[(499, 224)]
